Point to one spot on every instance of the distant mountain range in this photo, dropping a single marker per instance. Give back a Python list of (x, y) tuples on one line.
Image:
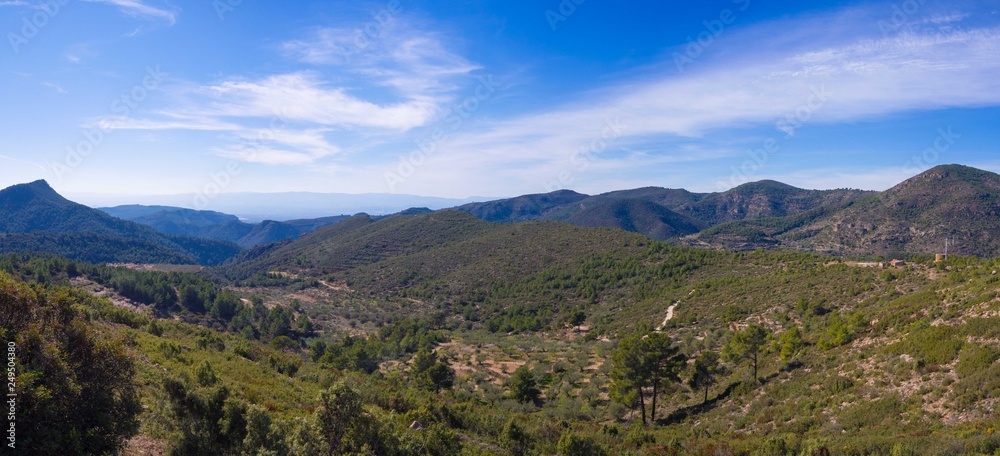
[(257, 207), (947, 202), (951, 201), (216, 225), (33, 217), (662, 213)]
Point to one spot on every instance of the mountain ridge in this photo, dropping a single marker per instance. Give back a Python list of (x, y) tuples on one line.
[(217, 225), (36, 218)]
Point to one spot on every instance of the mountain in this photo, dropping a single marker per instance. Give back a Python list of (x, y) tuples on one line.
[(154, 215), (661, 213), (950, 201), (216, 225), (397, 250), (761, 199), (639, 216), (257, 207), (917, 216), (522, 208), (33, 217)]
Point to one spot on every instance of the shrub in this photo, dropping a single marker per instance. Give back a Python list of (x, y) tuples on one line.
[(75, 388), (571, 444)]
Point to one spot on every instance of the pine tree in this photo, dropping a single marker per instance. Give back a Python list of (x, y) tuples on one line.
[(746, 345)]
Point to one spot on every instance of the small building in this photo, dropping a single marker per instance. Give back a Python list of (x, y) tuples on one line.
[(897, 263)]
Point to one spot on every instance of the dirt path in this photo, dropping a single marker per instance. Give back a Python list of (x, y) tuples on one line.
[(334, 287), (670, 315)]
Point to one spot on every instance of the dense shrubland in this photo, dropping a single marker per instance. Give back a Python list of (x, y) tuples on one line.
[(768, 353)]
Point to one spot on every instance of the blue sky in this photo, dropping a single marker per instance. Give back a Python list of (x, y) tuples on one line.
[(492, 98)]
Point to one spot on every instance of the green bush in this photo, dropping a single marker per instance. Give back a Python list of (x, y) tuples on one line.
[(571, 444)]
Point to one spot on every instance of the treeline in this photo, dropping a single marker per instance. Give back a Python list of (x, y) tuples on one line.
[(90, 247), (192, 296)]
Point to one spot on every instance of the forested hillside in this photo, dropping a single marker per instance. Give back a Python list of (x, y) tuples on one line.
[(34, 218)]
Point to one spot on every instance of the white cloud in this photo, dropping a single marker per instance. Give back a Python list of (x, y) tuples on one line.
[(820, 82), (262, 146), (392, 86), (408, 58), (305, 97), (140, 10)]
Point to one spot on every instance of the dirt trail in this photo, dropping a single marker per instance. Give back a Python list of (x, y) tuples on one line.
[(670, 315)]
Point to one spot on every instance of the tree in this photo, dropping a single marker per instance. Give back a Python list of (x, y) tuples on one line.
[(665, 364), (706, 370), (571, 444), (76, 388), (317, 350), (790, 343), (640, 361), (208, 421), (262, 437), (205, 374), (304, 325), (226, 305), (430, 373), (191, 299), (524, 386), (341, 417), (629, 373), (746, 345), (514, 439)]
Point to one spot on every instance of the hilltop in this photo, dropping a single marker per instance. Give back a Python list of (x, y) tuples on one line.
[(662, 213), (33, 217), (915, 217)]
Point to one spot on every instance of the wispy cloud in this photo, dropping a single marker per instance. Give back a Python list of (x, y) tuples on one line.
[(400, 83), (55, 87), (140, 10), (279, 147), (386, 92), (854, 80)]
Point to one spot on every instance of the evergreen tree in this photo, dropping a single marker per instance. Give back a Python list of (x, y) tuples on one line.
[(746, 345), (706, 370), (524, 386)]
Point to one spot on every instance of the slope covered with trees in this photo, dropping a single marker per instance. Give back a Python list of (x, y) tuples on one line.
[(34, 218), (216, 225)]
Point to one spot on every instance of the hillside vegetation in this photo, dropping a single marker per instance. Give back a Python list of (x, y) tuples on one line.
[(216, 225), (852, 359), (34, 218)]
